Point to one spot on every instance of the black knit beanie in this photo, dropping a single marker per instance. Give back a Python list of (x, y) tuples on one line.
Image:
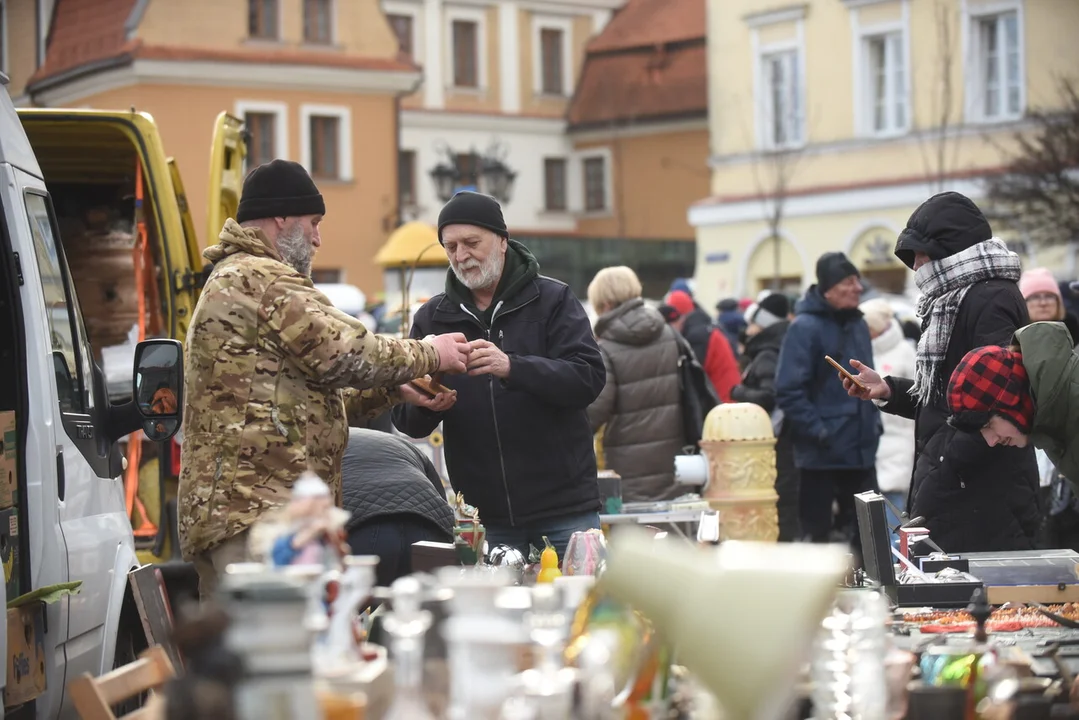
[(832, 269), (473, 208), (280, 188), (777, 304)]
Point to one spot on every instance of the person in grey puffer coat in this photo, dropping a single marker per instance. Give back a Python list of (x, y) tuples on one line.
[(641, 402)]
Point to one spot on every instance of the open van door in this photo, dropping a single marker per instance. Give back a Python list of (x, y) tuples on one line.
[(227, 157), (192, 279)]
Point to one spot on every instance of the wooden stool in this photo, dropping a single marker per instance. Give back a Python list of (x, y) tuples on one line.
[(94, 697)]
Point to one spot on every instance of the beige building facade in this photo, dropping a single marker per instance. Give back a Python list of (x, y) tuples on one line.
[(831, 120)]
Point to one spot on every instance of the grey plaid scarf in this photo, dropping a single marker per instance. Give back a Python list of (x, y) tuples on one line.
[(944, 283)]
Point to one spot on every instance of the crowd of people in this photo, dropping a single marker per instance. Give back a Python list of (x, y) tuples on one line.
[(995, 491), (943, 418)]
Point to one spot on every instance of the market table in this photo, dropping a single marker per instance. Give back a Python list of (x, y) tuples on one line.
[(673, 518)]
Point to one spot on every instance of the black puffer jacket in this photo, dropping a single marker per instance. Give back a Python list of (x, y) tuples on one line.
[(974, 498), (761, 357), (382, 474), (640, 404), (759, 387)]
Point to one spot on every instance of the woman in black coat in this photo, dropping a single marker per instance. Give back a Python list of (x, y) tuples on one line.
[(974, 498), (767, 326)]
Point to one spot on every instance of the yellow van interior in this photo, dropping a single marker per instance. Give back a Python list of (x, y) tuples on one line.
[(95, 187)]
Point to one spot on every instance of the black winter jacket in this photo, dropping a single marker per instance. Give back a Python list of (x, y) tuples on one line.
[(974, 498), (520, 449), (761, 358), (382, 474), (698, 333), (759, 387)]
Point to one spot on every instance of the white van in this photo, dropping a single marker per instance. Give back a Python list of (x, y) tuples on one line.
[(69, 522)]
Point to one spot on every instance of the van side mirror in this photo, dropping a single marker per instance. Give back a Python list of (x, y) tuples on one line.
[(159, 387)]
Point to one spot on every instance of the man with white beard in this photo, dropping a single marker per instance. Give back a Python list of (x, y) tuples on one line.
[(518, 442)]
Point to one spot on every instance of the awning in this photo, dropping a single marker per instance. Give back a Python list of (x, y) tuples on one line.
[(413, 243)]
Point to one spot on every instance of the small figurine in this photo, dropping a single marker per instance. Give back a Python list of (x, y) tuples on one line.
[(307, 531), (469, 534), (464, 512)]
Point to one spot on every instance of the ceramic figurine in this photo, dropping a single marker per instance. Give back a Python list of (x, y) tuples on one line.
[(469, 535), (354, 586), (309, 530)]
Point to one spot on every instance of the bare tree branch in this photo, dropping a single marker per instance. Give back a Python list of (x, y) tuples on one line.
[(773, 171), (1037, 195), (934, 141)]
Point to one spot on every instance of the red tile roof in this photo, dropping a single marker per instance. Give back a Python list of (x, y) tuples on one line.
[(648, 64), (84, 32), (652, 22), (88, 32)]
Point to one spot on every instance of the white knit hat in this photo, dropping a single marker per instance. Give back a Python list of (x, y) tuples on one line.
[(878, 314)]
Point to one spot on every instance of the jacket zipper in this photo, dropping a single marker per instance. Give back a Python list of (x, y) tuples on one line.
[(494, 413)]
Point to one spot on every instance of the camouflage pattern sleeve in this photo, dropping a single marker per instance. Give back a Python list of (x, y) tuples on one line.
[(362, 405), (335, 349)]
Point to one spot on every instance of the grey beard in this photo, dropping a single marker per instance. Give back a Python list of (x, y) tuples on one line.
[(295, 251), (490, 273)]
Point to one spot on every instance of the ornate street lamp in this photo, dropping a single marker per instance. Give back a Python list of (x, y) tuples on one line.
[(490, 172), (498, 178), (446, 177)]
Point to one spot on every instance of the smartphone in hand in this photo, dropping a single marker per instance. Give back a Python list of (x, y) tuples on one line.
[(844, 372)]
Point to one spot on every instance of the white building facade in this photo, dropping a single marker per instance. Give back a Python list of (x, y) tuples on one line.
[(497, 76)]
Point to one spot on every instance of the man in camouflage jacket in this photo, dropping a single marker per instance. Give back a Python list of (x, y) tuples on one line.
[(274, 373)]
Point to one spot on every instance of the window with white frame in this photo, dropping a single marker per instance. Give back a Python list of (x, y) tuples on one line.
[(261, 130), (594, 175), (465, 48), (781, 99), (263, 19), (326, 141), (406, 21), (318, 22), (466, 60), (885, 83), (554, 184), (266, 128), (997, 72), (404, 27), (552, 58)]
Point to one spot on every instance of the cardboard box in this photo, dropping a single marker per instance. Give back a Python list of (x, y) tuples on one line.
[(26, 678), (9, 466), (428, 556), (9, 552)]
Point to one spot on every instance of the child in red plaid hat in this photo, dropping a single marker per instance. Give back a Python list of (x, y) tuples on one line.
[(1026, 393)]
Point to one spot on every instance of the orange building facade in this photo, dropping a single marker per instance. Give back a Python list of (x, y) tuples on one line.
[(317, 81)]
